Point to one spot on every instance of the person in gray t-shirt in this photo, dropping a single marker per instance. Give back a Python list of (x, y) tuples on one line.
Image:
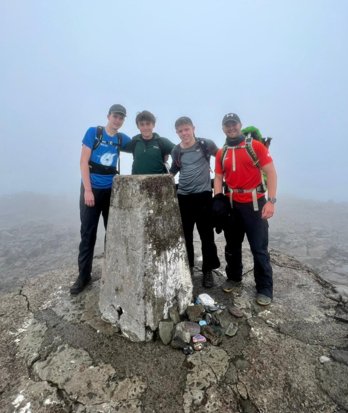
[(192, 159)]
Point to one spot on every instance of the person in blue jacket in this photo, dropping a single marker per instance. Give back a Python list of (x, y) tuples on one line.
[(99, 159)]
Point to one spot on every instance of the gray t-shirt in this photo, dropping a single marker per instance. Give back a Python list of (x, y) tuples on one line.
[(194, 169)]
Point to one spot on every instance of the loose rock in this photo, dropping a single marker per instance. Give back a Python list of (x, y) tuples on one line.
[(195, 312), (165, 331), (193, 328), (340, 356), (213, 334), (236, 312), (174, 314), (181, 334), (231, 330), (222, 318)]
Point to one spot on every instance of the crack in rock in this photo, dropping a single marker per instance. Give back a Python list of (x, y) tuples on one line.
[(26, 298), (208, 368), (73, 372)]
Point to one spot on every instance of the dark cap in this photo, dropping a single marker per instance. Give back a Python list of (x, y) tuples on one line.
[(118, 109), (230, 117), (183, 120)]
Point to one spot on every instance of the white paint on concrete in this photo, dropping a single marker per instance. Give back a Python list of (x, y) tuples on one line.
[(146, 268)]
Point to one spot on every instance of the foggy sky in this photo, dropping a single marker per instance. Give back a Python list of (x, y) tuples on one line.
[(280, 65)]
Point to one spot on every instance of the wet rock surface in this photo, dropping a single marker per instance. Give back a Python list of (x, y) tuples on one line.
[(57, 355)]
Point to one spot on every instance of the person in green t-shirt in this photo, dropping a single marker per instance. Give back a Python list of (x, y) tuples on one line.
[(150, 151)]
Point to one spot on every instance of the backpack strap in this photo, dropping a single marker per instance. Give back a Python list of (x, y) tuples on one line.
[(98, 137), (256, 161), (101, 169), (250, 150), (223, 157), (203, 144), (248, 145), (177, 153), (261, 188), (119, 144)]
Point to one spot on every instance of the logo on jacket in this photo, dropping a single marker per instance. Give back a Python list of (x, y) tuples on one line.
[(107, 158)]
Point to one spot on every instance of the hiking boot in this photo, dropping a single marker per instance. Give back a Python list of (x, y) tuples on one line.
[(230, 285), (208, 279), (262, 299), (78, 286)]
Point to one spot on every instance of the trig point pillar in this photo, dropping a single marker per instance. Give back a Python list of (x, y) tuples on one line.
[(146, 269)]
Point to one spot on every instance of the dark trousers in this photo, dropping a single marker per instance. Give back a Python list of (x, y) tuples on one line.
[(89, 225), (196, 209), (244, 220)]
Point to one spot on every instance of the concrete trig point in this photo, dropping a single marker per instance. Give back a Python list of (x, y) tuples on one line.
[(146, 270)]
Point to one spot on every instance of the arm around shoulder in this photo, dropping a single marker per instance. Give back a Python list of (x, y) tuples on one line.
[(128, 145), (168, 145), (175, 154), (212, 147)]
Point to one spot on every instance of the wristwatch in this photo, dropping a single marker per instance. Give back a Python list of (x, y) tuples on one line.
[(272, 200)]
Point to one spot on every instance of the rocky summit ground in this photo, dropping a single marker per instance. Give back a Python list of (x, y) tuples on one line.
[(57, 355)]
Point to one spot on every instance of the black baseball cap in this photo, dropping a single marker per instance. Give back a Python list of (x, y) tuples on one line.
[(230, 117), (117, 108)]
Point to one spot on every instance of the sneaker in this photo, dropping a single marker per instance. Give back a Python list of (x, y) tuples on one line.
[(230, 285), (262, 299), (78, 286), (208, 279)]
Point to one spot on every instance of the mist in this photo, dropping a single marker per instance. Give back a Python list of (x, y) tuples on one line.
[(281, 66)]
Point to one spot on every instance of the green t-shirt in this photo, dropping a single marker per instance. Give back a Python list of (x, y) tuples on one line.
[(148, 154)]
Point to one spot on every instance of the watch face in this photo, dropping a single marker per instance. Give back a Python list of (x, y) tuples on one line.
[(272, 200)]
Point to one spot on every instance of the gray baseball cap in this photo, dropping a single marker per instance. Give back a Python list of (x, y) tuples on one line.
[(230, 117), (117, 108)]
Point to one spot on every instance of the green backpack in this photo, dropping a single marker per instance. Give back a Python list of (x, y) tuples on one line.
[(256, 134)]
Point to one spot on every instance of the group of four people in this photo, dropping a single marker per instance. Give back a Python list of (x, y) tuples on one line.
[(239, 195)]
